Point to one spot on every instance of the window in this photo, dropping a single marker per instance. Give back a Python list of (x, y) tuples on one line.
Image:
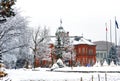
[(79, 50), (97, 55), (90, 51), (105, 55), (101, 55), (83, 51), (86, 50)]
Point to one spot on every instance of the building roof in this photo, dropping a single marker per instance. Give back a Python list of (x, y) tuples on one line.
[(82, 41)]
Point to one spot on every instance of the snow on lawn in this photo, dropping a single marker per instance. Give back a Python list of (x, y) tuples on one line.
[(89, 69), (42, 74)]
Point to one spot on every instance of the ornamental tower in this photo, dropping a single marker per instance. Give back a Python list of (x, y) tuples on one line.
[(62, 40)]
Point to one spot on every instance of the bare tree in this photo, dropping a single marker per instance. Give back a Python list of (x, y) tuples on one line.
[(40, 46)]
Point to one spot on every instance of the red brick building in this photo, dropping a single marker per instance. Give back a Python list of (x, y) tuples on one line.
[(85, 52)]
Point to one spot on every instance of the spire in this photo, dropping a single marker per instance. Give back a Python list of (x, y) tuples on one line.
[(60, 22)]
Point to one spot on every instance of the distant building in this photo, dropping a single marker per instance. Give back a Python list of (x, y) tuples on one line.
[(102, 50), (118, 53)]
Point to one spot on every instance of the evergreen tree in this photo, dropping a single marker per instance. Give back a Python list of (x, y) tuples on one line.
[(6, 8), (61, 42), (112, 55)]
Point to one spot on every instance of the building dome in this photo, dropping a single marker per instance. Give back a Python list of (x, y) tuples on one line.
[(59, 30)]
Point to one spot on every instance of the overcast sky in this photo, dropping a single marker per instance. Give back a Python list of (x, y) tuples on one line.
[(79, 17)]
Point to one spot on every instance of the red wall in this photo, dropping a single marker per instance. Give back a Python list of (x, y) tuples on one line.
[(85, 54)]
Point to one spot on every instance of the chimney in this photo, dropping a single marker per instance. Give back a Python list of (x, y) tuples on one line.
[(67, 33)]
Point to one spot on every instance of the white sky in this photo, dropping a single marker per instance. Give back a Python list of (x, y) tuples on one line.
[(87, 17)]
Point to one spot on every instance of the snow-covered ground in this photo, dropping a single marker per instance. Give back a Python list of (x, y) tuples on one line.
[(42, 74), (91, 69)]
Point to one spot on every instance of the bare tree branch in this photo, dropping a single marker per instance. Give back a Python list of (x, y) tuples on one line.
[(12, 49)]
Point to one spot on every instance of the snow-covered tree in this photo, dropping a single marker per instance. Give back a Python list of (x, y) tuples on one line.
[(62, 42), (9, 60), (10, 33), (24, 39), (24, 53), (69, 53), (113, 55), (63, 46), (68, 50), (13, 40), (40, 43), (6, 11)]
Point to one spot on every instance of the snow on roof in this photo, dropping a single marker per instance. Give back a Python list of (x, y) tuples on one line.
[(75, 42), (83, 41)]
